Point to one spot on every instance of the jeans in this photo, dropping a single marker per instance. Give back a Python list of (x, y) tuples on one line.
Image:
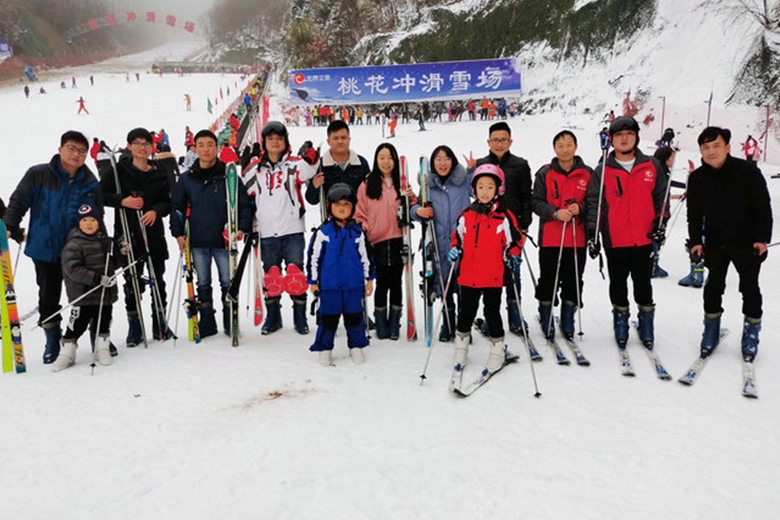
[(288, 248), (201, 260)]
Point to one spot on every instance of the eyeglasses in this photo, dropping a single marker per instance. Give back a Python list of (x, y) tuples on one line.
[(145, 144), (76, 149), (502, 140), (443, 159)]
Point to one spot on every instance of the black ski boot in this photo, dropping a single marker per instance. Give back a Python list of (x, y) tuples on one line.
[(299, 316), (273, 318), (134, 333), (380, 320), (53, 336), (207, 324), (395, 322)]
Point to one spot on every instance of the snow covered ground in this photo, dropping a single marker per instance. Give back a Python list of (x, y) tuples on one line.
[(263, 431)]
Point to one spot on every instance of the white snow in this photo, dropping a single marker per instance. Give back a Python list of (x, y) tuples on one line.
[(262, 431)]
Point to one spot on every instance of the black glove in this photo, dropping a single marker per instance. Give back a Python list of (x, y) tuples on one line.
[(311, 156), (594, 248), (17, 235), (658, 235), (304, 148)]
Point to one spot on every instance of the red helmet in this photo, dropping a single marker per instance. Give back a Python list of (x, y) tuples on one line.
[(492, 170)]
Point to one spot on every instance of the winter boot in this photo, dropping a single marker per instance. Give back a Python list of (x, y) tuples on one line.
[(750, 330), (497, 355), (513, 314), (567, 318), (620, 317), (67, 356), (134, 333), (658, 271), (325, 357), (395, 322), (102, 353), (273, 318), (299, 316), (462, 340), (93, 337), (53, 336), (380, 320), (646, 329), (695, 278), (357, 355), (207, 324), (545, 312), (711, 336), (447, 332)]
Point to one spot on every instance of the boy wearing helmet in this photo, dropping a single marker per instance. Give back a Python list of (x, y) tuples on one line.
[(274, 181), (341, 271), (485, 239), (632, 199)]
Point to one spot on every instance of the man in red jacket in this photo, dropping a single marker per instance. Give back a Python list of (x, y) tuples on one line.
[(630, 204)]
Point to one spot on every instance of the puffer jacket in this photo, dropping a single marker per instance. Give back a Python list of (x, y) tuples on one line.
[(83, 265), (555, 189), (54, 201)]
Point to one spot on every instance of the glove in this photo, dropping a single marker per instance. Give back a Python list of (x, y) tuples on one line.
[(454, 253), (107, 281), (311, 156), (594, 248), (513, 263), (658, 235), (304, 148)]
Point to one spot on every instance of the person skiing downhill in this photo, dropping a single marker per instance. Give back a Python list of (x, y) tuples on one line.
[(82, 107), (340, 272)]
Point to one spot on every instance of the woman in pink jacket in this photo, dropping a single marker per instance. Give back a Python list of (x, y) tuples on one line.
[(379, 198)]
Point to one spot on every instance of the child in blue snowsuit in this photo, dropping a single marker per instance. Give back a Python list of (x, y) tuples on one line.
[(339, 269)]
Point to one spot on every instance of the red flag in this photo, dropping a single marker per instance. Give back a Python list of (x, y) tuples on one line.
[(111, 19), (220, 93), (131, 16), (189, 26), (150, 16), (170, 20), (93, 24)]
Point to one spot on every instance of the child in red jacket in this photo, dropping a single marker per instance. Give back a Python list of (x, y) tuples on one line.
[(486, 238)]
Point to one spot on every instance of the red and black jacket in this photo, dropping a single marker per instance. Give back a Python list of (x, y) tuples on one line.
[(631, 201), (556, 189), (485, 236)]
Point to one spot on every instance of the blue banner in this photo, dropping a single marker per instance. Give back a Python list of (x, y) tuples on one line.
[(6, 51), (398, 83)]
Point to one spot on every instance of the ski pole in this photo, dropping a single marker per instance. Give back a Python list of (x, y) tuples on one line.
[(772, 244), (530, 269), (182, 274), (158, 306), (100, 309), (577, 276), (74, 302), (453, 268), (598, 210), (16, 261), (537, 394), (547, 334)]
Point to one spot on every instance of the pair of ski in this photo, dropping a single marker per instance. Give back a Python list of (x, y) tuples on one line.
[(406, 223), (749, 388), (627, 369), (456, 381)]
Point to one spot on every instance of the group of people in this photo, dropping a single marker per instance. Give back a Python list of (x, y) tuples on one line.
[(481, 212)]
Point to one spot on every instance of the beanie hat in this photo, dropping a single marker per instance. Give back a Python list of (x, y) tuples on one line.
[(89, 210)]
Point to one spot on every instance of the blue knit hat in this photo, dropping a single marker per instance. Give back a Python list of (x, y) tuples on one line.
[(89, 210)]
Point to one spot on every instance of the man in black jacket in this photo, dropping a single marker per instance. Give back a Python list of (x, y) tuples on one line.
[(729, 206), (517, 197), (144, 195)]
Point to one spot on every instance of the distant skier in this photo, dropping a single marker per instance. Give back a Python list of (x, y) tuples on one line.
[(27, 91), (668, 137), (188, 101), (73, 82), (81, 106), (751, 149), (604, 139)]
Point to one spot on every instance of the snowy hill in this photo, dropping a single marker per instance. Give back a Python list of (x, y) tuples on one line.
[(262, 431)]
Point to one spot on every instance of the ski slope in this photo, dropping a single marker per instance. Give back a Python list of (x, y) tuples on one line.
[(263, 431)]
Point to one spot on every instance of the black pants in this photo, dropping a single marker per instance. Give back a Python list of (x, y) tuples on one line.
[(567, 278), (388, 280), (48, 276), (634, 261), (82, 316), (717, 258), (469, 304), (158, 263)]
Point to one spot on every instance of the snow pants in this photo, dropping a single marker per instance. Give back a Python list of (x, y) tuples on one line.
[(334, 303), (469, 304), (634, 261), (717, 258), (567, 281)]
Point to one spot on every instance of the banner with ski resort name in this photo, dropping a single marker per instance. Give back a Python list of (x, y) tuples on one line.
[(398, 83)]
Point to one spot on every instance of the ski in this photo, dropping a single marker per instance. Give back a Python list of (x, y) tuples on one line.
[(11, 312), (575, 349), (7, 339), (560, 358), (695, 369), (427, 247), (626, 368), (456, 380), (259, 292), (479, 323), (191, 303), (484, 377), (654, 359), (406, 224), (749, 380), (231, 179), (235, 282)]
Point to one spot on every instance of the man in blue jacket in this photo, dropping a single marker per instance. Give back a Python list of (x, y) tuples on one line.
[(201, 196), (53, 193)]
